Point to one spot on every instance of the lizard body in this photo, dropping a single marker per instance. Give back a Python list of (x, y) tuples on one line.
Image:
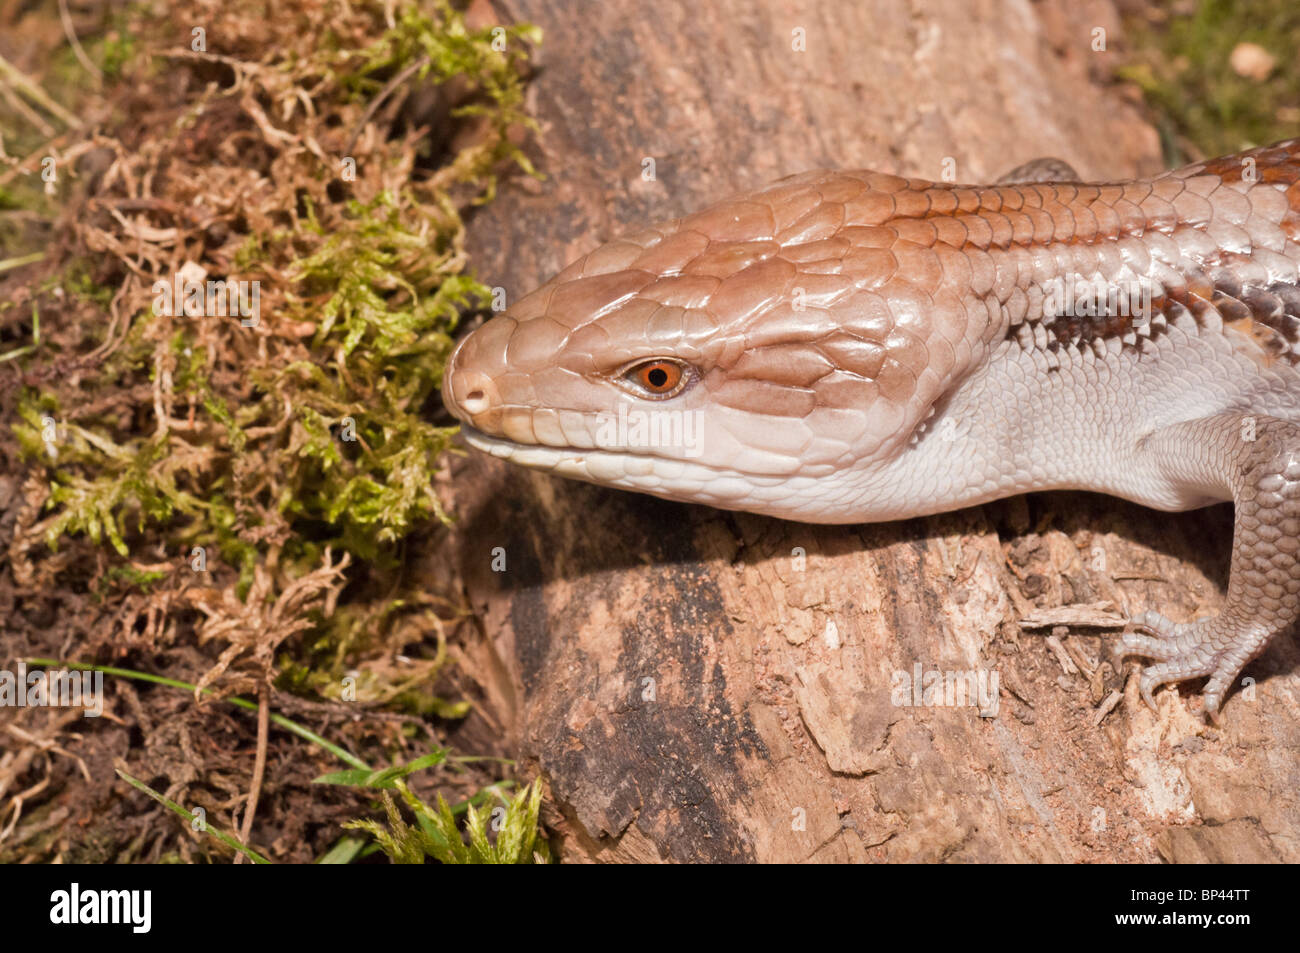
[(857, 347)]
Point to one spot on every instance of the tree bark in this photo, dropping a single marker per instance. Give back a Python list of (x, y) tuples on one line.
[(697, 685)]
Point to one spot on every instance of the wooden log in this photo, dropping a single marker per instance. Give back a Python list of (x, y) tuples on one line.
[(704, 686)]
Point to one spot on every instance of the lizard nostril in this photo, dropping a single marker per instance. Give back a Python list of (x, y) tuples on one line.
[(467, 393)]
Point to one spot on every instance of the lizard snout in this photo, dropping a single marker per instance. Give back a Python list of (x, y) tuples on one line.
[(469, 390)]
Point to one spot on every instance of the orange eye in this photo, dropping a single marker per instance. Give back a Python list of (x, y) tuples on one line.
[(660, 378)]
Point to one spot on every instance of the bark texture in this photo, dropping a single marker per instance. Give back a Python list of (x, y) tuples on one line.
[(704, 686)]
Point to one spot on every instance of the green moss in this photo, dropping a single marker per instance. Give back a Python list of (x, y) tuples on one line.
[(142, 579), (116, 49), (437, 835), (268, 443), (383, 287), (79, 281)]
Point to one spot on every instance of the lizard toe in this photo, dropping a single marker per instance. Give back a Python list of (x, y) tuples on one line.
[(1157, 625), (1207, 647), (1147, 646), (1157, 637), (1176, 669)]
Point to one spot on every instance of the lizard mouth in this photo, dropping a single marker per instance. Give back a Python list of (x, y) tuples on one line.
[(595, 464), (689, 481), (630, 468), (524, 454)]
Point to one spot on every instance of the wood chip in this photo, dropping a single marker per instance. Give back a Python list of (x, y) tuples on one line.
[(1062, 656), (1086, 665), (1094, 615), (1106, 708)]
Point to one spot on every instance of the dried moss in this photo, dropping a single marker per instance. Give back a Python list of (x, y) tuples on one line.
[(338, 419), (194, 468)]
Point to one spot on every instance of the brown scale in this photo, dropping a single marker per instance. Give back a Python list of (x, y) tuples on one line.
[(1268, 316), (1271, 318)]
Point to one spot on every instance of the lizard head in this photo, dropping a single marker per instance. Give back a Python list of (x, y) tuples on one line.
[(732, 358)]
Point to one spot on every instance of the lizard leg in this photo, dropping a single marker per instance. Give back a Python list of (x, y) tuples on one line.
[(1257, 460), (1046, 169)]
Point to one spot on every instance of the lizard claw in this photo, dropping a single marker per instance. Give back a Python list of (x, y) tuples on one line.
[(1209, 647), (1147, 697)]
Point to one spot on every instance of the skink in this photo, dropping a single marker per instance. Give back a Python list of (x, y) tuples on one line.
[(855, 347)]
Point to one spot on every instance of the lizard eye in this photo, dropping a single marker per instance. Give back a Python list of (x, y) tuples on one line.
[(659, 377)]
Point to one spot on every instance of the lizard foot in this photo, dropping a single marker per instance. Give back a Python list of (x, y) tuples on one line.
[(1257, 459), (1210, 647)]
